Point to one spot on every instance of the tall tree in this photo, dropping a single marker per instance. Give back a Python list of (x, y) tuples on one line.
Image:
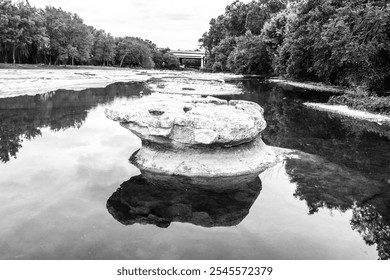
[(354, 46), (216, 33), (235, 18), (70, 38), (104, 47), (21, 26), (7, 11), (250, 56), (221, 53), (133, 52)]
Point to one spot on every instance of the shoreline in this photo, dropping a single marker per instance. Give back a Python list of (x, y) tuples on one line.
[(308, 85), (9, 66), (19, 80), (342, 109), (25, 81)]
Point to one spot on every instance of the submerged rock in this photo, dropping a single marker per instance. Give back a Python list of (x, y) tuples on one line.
[(205, 137)]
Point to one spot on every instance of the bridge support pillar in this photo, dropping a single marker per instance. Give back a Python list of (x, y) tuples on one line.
[(202, 62)]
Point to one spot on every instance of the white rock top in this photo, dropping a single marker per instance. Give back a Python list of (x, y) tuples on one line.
[(14, 82), (192, 121), (195, 85), (345, 111)]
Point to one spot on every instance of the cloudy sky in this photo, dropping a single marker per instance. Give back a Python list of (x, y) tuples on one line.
[(177, 24)]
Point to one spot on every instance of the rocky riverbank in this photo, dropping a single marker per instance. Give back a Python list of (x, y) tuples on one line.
[(307, 85), (21, 81)]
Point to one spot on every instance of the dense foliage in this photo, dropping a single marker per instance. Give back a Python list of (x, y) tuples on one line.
[(369, 102), (54, 36), (343, 42)]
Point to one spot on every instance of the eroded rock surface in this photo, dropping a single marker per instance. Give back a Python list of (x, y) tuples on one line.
[(204, 137), (195, 85), (192, 121)]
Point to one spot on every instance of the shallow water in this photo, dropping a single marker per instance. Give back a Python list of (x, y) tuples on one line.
[(69, 191)]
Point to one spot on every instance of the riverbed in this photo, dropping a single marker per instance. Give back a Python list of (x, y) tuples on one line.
[(66, 179)]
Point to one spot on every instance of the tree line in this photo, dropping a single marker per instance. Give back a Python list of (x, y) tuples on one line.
[(53, 36), (343, 42)]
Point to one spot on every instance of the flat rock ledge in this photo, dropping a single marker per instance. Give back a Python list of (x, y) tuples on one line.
[(348, 112), (308, 85), (202, 137), (194, 86)]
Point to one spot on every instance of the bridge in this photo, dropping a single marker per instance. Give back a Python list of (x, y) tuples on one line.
[(190, 55)]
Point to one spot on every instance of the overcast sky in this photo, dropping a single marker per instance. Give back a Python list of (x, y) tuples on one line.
[(177, 24)]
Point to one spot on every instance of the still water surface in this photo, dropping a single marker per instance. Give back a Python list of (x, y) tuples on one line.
[(66, 186)]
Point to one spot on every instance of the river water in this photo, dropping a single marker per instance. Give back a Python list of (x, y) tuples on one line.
[(67, 185)]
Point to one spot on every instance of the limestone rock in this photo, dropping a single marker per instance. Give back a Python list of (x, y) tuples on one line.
[(194, 84), (192, 121), (248, 158), (202, 137)]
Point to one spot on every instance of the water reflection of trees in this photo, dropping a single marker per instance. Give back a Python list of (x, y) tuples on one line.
[(360, 145), (22, 117), (323, 184), (12, 136), (159, 200), (373, 227), (344, 163)]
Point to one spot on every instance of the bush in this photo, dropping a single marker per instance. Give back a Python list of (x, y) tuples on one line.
[(363, 101), (170, 61), (250, 56)]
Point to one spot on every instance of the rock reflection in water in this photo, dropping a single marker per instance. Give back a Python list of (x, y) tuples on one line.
[(155, 199), (323, 184)]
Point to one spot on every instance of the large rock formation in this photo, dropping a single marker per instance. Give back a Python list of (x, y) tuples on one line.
[(195, 85), (160, 200), (203, 137)]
